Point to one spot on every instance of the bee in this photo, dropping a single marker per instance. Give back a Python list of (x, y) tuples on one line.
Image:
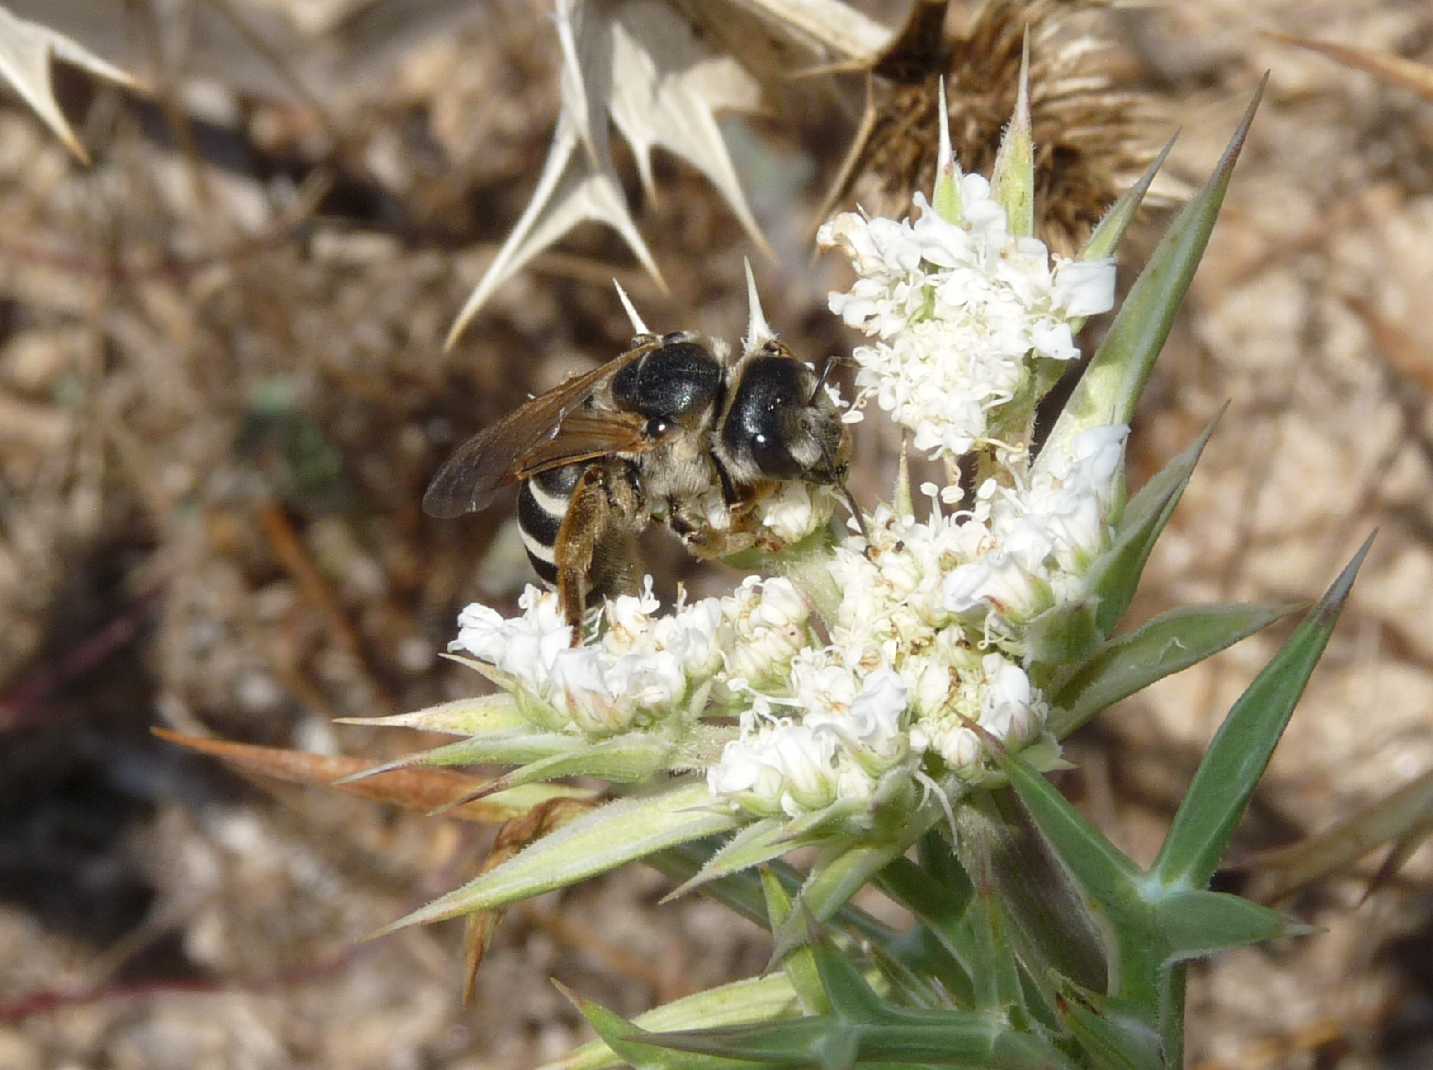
[(670, 432)]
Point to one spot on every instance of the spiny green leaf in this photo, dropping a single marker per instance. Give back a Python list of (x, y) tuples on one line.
[(626, 1040), (539, 712), (957, 1038), (937, 905), (482, 716), (992, 958), (799, 966), (625, 759), (610, 836), (907, 984), (511, 748), (1037, 863), (741, 892), (1064, 634), (1172, 993), (1243, 745), (847, 992), (1196, 923), (1110, 386), (759, 842), (1012, 178), (823, 824), (1169, 482), (1105, 238), (1168, 644), (934, 1038), (1111, 884), (1113, 1035), (750, 1000), (945, 197), (939, 908), (835, 879), (1114, 576), (794, 1042), (918, 950), (939, 859)]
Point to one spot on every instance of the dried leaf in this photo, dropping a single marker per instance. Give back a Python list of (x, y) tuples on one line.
[(642, 65), (413, 789), (666, 87), (1093, 127), (1404, 848), (1401, 818), (26, 50), (1399, 349), (574, 188), (1386, 67), (511, 839), (838, 28)]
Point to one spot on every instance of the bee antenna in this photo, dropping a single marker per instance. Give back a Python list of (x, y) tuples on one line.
[(638, 327), (831, 363), (758, 331)]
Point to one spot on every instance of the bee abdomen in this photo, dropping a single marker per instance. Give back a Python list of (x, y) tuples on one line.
[(541, 504)]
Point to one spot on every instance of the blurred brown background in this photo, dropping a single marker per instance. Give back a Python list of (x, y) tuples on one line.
[(223, 388)]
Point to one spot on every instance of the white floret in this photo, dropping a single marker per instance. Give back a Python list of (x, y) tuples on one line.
[(957, 311)]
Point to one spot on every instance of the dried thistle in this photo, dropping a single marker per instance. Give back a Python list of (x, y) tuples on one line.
[(1094, 131), (26, 51), (660, 71)]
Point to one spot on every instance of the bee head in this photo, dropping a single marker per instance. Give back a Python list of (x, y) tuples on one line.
[(778, 425)]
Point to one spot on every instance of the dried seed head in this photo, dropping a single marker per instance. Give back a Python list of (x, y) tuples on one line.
[(1094, 130)]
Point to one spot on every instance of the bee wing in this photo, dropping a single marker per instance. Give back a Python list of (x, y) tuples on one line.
[(583, 436), (495, 457)]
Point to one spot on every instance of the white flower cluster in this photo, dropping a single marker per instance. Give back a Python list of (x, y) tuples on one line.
[(905, 674), (956, 310), (930, 598), (989, 690), (922, 645), (894, 611), (1028, 549), (644, 666), (849, 734)]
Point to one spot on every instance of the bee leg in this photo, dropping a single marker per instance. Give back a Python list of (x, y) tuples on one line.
[(572, 551), (614, 563), (594, 550), (742, 530)]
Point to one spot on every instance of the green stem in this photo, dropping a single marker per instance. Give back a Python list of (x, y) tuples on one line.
[(1171, 1024)]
